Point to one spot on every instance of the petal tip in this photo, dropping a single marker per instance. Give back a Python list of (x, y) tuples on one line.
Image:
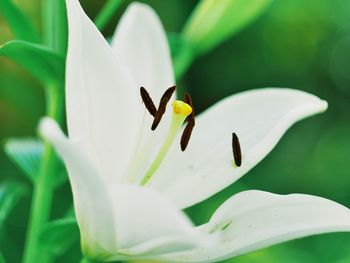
[(139, 7), (48, 128), (323, 105), (311, 101), (318, 106), (137, 10), (71, 4)]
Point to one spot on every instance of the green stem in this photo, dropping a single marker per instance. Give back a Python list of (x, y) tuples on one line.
[(41, 203), (43, 191), (55, 25), (106, 13)]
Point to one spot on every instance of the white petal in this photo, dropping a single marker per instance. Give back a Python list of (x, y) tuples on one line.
[(253, 220), (140, 44), (118, 221), (91, 200), (258, 117), (149, 225), (102, 100)]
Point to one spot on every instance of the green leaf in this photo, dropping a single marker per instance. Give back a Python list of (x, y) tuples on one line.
[(42, 63), (26, 153), (20, 24), (10, 193), (213, 22), (59, 235), (2, 258)]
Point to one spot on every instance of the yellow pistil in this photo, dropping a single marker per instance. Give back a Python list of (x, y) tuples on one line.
[(180, 112), (181, 108)]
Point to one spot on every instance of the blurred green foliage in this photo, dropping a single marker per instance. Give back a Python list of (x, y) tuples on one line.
[(295, 43), (212, 22)]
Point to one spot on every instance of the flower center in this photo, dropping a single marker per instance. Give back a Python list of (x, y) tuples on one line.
[(181, 110)]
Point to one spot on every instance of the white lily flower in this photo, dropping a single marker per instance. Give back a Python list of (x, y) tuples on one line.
[(130, 184)]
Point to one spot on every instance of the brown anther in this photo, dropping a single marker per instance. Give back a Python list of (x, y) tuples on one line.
[(188, 100), (186, 135), (148, 101), (162, 106), (236, 149)]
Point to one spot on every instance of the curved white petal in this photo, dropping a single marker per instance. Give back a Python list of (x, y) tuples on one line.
[(140, 44), (118, 221), (102, 100), (253, 220), (91, 199), (258, 117), (149, 225)]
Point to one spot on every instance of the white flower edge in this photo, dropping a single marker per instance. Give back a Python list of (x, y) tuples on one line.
[(253, 219), (259, 118)]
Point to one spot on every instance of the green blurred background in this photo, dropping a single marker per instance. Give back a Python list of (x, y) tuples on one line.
[(295, 43)]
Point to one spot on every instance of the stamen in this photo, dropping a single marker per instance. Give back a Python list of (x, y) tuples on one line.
[(236, 149), (180, 112), (162, 106), (186, 135), (147, 100), (188, 100)]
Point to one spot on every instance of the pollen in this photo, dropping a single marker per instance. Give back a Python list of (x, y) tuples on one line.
[(182, 108)]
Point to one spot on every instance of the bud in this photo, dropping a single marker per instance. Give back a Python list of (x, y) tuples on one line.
[(213, 22)]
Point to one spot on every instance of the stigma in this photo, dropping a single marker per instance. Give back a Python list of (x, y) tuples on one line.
[(181, 108)]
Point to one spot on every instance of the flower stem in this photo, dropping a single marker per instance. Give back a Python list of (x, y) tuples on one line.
[(55, 25), (106, 13), (43, 191), (42, 196)]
